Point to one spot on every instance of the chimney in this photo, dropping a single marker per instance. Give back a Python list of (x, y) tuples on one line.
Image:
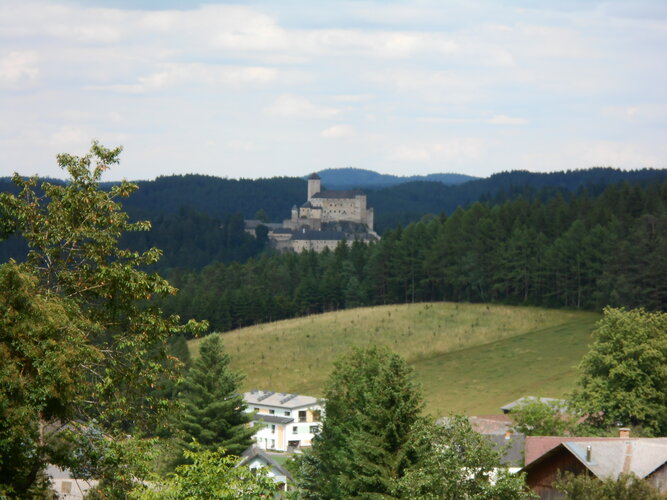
[(624, 433), (589, 452)]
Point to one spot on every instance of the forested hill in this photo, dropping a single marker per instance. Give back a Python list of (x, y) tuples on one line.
[(405, 203), (353, 178), (198, 219), (584, 252)]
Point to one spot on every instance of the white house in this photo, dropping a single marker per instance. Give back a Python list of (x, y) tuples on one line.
[(289, 421), (254, 458)]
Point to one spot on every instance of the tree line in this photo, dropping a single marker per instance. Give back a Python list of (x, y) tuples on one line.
[(578, 251)]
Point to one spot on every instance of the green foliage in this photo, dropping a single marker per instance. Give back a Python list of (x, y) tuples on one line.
[(61, 368), (540, 418), (578, 251), (211, 474), (625, 487), (214, 413), (262, 215), (45, 352), (457, 463), (374, 444), (371, 407), (624, 375)]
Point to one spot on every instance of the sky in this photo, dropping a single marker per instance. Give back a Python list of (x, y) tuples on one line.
[(273, 88)]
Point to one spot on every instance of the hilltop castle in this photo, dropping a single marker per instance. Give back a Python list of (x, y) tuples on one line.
[(326, 218)]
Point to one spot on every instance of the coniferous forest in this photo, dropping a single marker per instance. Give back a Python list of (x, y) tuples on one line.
[(578, 250), (581, 239)]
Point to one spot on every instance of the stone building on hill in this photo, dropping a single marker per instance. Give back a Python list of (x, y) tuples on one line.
[(324, 220)]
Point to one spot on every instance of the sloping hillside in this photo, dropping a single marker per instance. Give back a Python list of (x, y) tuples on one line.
[(468, 357)]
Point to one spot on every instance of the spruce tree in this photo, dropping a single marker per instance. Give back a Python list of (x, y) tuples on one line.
[(372, 404), (214, 413)]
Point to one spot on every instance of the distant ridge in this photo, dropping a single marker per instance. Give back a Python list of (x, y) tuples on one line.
[(349, 178)]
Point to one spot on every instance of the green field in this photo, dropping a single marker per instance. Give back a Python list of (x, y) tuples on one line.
[(469, 358)]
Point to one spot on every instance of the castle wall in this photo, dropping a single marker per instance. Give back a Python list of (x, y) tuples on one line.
[(317, 245), (337, 209)]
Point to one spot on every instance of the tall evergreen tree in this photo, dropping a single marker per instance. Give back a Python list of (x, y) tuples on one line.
[(372, 404), (213, 407)]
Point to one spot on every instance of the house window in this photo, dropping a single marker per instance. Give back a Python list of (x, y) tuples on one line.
[(302, 415), (256, 409), (295, 429), (314, 429), (273, 444), (271, 412), (273, 429), (288, 413)]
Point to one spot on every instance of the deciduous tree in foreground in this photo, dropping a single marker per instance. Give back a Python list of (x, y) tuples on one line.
[(624, 375), (81, 343)]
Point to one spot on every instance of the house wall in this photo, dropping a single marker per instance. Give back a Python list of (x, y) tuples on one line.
[(543, 475), (284, 432), (658, 478)]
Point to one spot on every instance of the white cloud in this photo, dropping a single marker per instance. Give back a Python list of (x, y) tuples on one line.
[(337, 131), (171, 75), (18, 70), (288, 105), (625, 154), (453, 151), (506, 120), (240, 145), (70, 137)]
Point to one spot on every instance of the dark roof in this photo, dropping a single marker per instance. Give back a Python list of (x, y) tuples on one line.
[(319, 235), (282, 230), (272, 419), (253, 223), (308, 205), (352, 193), (255, 451), (314, 177), (510, 448)]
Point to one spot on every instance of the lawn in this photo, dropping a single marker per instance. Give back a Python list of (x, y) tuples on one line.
[(468, 357)]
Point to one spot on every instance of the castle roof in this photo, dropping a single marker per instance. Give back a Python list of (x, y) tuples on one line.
[(313, 177), (352, 193)]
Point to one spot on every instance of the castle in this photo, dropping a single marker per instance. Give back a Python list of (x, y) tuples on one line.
[(325, 219)]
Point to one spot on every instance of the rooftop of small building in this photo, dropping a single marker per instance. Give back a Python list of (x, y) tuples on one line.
[(253, 223), (314, 177), (553, 402), (609, 457), (254, 451), (278, 399)]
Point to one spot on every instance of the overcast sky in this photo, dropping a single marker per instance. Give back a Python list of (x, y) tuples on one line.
[(260, 89)]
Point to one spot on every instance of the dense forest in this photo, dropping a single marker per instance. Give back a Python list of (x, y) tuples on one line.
[(578, 251), (197, 220)]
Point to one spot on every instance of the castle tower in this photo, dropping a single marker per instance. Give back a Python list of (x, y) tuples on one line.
[(313, 185)]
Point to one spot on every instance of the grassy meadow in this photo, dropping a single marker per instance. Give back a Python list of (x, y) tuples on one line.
[(468, 358)]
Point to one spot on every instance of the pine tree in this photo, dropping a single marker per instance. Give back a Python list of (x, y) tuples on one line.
[(213, 407), (372, 404)]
